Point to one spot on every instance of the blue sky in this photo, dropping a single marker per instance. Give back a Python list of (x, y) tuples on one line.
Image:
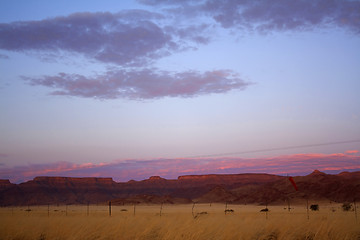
[(107, 82)]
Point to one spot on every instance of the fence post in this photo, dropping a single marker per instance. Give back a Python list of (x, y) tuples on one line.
[(110, 208), (267, 210), (307, 208), (161, 208), (355, 210), (288, 201)]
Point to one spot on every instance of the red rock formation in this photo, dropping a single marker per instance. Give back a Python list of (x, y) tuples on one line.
[(156, 178), (69, 181), (5, 183), (237, 188), (217, 195)]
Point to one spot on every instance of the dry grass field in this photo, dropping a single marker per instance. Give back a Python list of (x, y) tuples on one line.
[(177, 222)]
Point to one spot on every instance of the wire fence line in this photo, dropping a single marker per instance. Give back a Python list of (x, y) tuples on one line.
[(276, 149)]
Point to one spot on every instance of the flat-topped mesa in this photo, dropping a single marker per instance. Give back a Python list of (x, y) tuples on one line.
[(237, 188), (5, 183), (349, 174), (155, 178), (73, 181), (230, 178), (201, 180)]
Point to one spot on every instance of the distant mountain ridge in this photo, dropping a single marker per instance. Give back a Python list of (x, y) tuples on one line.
[(231, 188)]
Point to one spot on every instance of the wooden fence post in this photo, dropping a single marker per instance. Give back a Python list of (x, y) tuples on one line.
[(161, 208), (307, 208), (288, 201), (355, 210)]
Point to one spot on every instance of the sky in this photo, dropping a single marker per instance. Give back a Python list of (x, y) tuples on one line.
[(134, 88)]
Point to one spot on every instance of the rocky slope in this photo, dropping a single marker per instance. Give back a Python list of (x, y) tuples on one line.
[(232, 188)]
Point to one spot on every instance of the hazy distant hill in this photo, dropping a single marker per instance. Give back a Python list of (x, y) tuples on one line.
[(231, 188)]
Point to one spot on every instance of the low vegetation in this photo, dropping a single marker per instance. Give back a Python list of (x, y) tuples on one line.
[(346, 207), (176, 222), (314, 207)]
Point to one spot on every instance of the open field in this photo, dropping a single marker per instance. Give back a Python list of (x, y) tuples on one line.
[(177, 222)]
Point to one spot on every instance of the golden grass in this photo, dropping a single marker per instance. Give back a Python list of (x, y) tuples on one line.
[(176, 222)]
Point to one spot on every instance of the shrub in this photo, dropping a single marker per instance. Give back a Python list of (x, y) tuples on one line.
[(200, 214), (314, 207), (347, 206)]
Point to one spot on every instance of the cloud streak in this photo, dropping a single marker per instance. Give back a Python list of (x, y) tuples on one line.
[(268, 16), (298, 164), (126, 38), (144, 84), (282, 15)]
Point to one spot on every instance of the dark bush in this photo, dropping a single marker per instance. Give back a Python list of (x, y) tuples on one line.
[(346, 207), (314, 207), (200, 214)]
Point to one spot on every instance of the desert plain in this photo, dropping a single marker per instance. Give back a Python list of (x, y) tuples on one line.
[(179, 221)]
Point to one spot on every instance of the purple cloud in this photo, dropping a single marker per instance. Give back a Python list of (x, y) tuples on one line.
[(286, 15), (142, 84), (130, 38), (126, 38), (298, 164), (277, 15)]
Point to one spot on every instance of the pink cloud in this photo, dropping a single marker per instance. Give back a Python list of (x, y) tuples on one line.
[(297, 164), (352, 152)]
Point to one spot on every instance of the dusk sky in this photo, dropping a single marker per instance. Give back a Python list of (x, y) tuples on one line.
[(129, 89)]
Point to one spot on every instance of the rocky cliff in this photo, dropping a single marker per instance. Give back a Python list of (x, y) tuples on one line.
[(5, 183), (234, 188)]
